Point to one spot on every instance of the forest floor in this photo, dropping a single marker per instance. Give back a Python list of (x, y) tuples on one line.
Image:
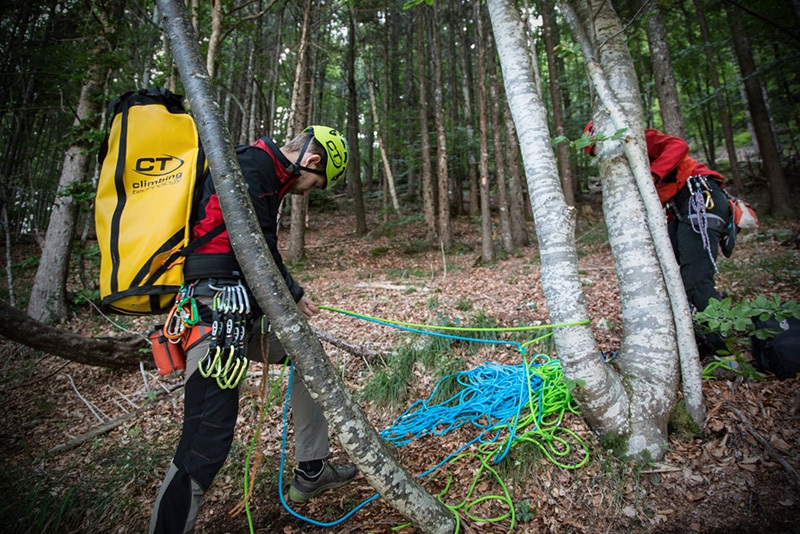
[(739, 475)]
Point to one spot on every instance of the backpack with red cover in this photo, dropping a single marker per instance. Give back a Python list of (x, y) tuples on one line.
[(743, 217)]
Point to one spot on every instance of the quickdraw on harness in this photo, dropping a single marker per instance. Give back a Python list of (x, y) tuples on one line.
[(183, 314), (700, 201), (225, 360)]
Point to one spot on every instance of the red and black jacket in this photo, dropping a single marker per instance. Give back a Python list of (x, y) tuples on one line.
[(264, 169), (671, 165)]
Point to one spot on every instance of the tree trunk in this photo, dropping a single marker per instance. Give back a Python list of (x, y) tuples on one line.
[(358, 437), (428, 196), (214, 38), (516, 191), (621, 103), (499, 152), (780, 200), (100, 352), (9, 262), (727, 130), (469, 122), (445, 228), (354, 164), (636, 403), (602, 398), (48, 302), (370, 164), (387, 169), (299, 117), (550, 41), (669, 103), (487, 246)]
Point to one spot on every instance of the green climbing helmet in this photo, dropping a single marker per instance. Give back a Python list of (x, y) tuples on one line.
[(335, 145)]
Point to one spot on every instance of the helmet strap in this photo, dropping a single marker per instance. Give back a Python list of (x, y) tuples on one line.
[(295, 167), (314, 171)]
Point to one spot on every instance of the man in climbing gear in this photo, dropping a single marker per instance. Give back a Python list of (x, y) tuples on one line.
[(698, 214), (231, 331)]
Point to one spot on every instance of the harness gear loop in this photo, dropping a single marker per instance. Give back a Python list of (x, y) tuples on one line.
[(699, 199), (225, 360)]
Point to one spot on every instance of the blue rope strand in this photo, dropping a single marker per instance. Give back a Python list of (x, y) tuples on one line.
[(492, 398), (288, 508), (519, 346)]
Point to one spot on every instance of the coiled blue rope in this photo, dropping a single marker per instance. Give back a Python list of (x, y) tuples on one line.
[(492, 398)]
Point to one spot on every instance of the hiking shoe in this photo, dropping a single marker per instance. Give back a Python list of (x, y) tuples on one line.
[(331, 476)]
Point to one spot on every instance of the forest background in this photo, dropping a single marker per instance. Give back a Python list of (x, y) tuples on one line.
[(93, 51)]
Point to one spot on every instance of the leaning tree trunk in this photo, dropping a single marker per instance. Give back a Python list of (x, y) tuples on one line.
[(48, 302), (358, 437)]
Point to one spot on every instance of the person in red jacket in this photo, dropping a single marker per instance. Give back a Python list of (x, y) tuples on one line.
[(697, 210), (217, 356)]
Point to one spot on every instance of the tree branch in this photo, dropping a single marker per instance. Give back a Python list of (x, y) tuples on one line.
[(764, 443), (101, 352)]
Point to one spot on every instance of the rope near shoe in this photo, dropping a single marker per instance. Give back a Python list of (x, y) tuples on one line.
[(331, 476)]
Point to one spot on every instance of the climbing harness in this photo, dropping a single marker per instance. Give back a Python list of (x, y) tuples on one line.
[(700, 201), (225, 359)]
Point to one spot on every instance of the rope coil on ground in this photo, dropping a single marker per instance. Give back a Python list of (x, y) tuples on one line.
[(508, 404)]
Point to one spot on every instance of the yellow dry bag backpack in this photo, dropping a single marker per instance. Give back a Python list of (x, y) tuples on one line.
[(151, 163)]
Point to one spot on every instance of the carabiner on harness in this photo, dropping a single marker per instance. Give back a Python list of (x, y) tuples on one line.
[(225, 360), (182, 315)]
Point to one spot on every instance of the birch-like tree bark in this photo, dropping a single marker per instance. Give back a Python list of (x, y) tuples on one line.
[(621, 103), (358, 437), (601, 395), (634, 399)]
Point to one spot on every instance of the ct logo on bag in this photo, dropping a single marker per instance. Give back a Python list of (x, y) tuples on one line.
[(160, 171), (160, 166)]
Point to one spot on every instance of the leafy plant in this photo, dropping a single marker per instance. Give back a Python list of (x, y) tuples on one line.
[(586, 140), (526, 512), (729, 321)]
